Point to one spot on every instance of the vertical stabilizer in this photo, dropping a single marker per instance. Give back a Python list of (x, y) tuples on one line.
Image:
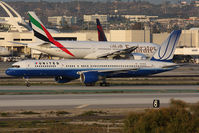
[(38, 28), (43, 34), (101, 35), (167, 49)]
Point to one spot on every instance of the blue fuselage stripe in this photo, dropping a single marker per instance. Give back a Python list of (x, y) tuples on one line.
[(73, 73)]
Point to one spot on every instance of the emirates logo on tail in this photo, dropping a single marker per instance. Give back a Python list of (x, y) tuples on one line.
[(42, 33)]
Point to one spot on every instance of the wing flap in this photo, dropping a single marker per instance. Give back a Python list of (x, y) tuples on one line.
[(32, 44), (113, 71), (123, 52), (171, 66)]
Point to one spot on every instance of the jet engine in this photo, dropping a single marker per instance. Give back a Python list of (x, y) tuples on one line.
[(89, 77), (60, 79)]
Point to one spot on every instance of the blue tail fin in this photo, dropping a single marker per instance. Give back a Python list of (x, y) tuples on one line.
[(167, 49), (101, 35)]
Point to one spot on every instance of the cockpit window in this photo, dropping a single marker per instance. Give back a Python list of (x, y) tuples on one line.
[(16, 66)]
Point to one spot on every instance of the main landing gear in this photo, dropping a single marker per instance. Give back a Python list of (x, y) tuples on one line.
[(104, 83), (27, 82)]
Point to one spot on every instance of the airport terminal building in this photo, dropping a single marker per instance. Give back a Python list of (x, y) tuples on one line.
[(14, 35)]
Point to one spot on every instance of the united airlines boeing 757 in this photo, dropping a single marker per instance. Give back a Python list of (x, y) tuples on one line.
[(84, 49), (91, 71)]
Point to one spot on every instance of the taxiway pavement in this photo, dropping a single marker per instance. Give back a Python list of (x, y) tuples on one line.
[(80, 87), (106, 100)]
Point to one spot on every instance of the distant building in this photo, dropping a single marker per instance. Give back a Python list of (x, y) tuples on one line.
[(193, 18), (70, 19), (195, 3), (55, 20), (140, 18), (13, 21), (92, 18), (183, 3), (60, 20), (188, 39)]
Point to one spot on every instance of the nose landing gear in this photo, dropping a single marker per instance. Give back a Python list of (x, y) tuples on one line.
[(27, 82)]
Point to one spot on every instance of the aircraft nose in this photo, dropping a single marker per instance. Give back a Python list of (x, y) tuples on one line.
[(10, 72)]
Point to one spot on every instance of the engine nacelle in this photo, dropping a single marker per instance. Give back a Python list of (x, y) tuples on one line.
[(89, 77), (61, 79)]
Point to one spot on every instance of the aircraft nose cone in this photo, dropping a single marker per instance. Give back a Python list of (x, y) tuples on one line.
[(9, 72)]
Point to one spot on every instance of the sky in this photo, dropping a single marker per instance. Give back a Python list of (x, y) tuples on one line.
[(153, 1)]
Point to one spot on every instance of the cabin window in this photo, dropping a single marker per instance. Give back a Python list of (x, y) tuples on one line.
[(26, 39), (16, 39), (16, 66)]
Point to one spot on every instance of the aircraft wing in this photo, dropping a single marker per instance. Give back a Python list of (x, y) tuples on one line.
[(118, 70), (43, 44), (32, 44), (19, 43), (113, 71), (175, 65), (123, 52)]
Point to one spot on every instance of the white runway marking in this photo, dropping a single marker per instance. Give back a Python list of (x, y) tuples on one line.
[(96, 100), (82, 106)]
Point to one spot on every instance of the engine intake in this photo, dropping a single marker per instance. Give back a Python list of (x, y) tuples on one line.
[(89, 77)]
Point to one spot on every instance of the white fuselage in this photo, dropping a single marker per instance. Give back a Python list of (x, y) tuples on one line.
[(94, 50), (89, 71), (91, 64), (72, 68)]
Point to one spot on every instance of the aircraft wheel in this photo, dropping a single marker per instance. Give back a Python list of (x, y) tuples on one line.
[(90, 84), (107, 84), (28, 84), (104, 84)]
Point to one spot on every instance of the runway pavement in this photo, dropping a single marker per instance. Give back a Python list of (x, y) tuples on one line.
[(79, 87), (137, 96), (89, 101)]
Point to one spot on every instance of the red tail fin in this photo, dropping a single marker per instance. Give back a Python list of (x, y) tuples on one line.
[(101, 35)]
